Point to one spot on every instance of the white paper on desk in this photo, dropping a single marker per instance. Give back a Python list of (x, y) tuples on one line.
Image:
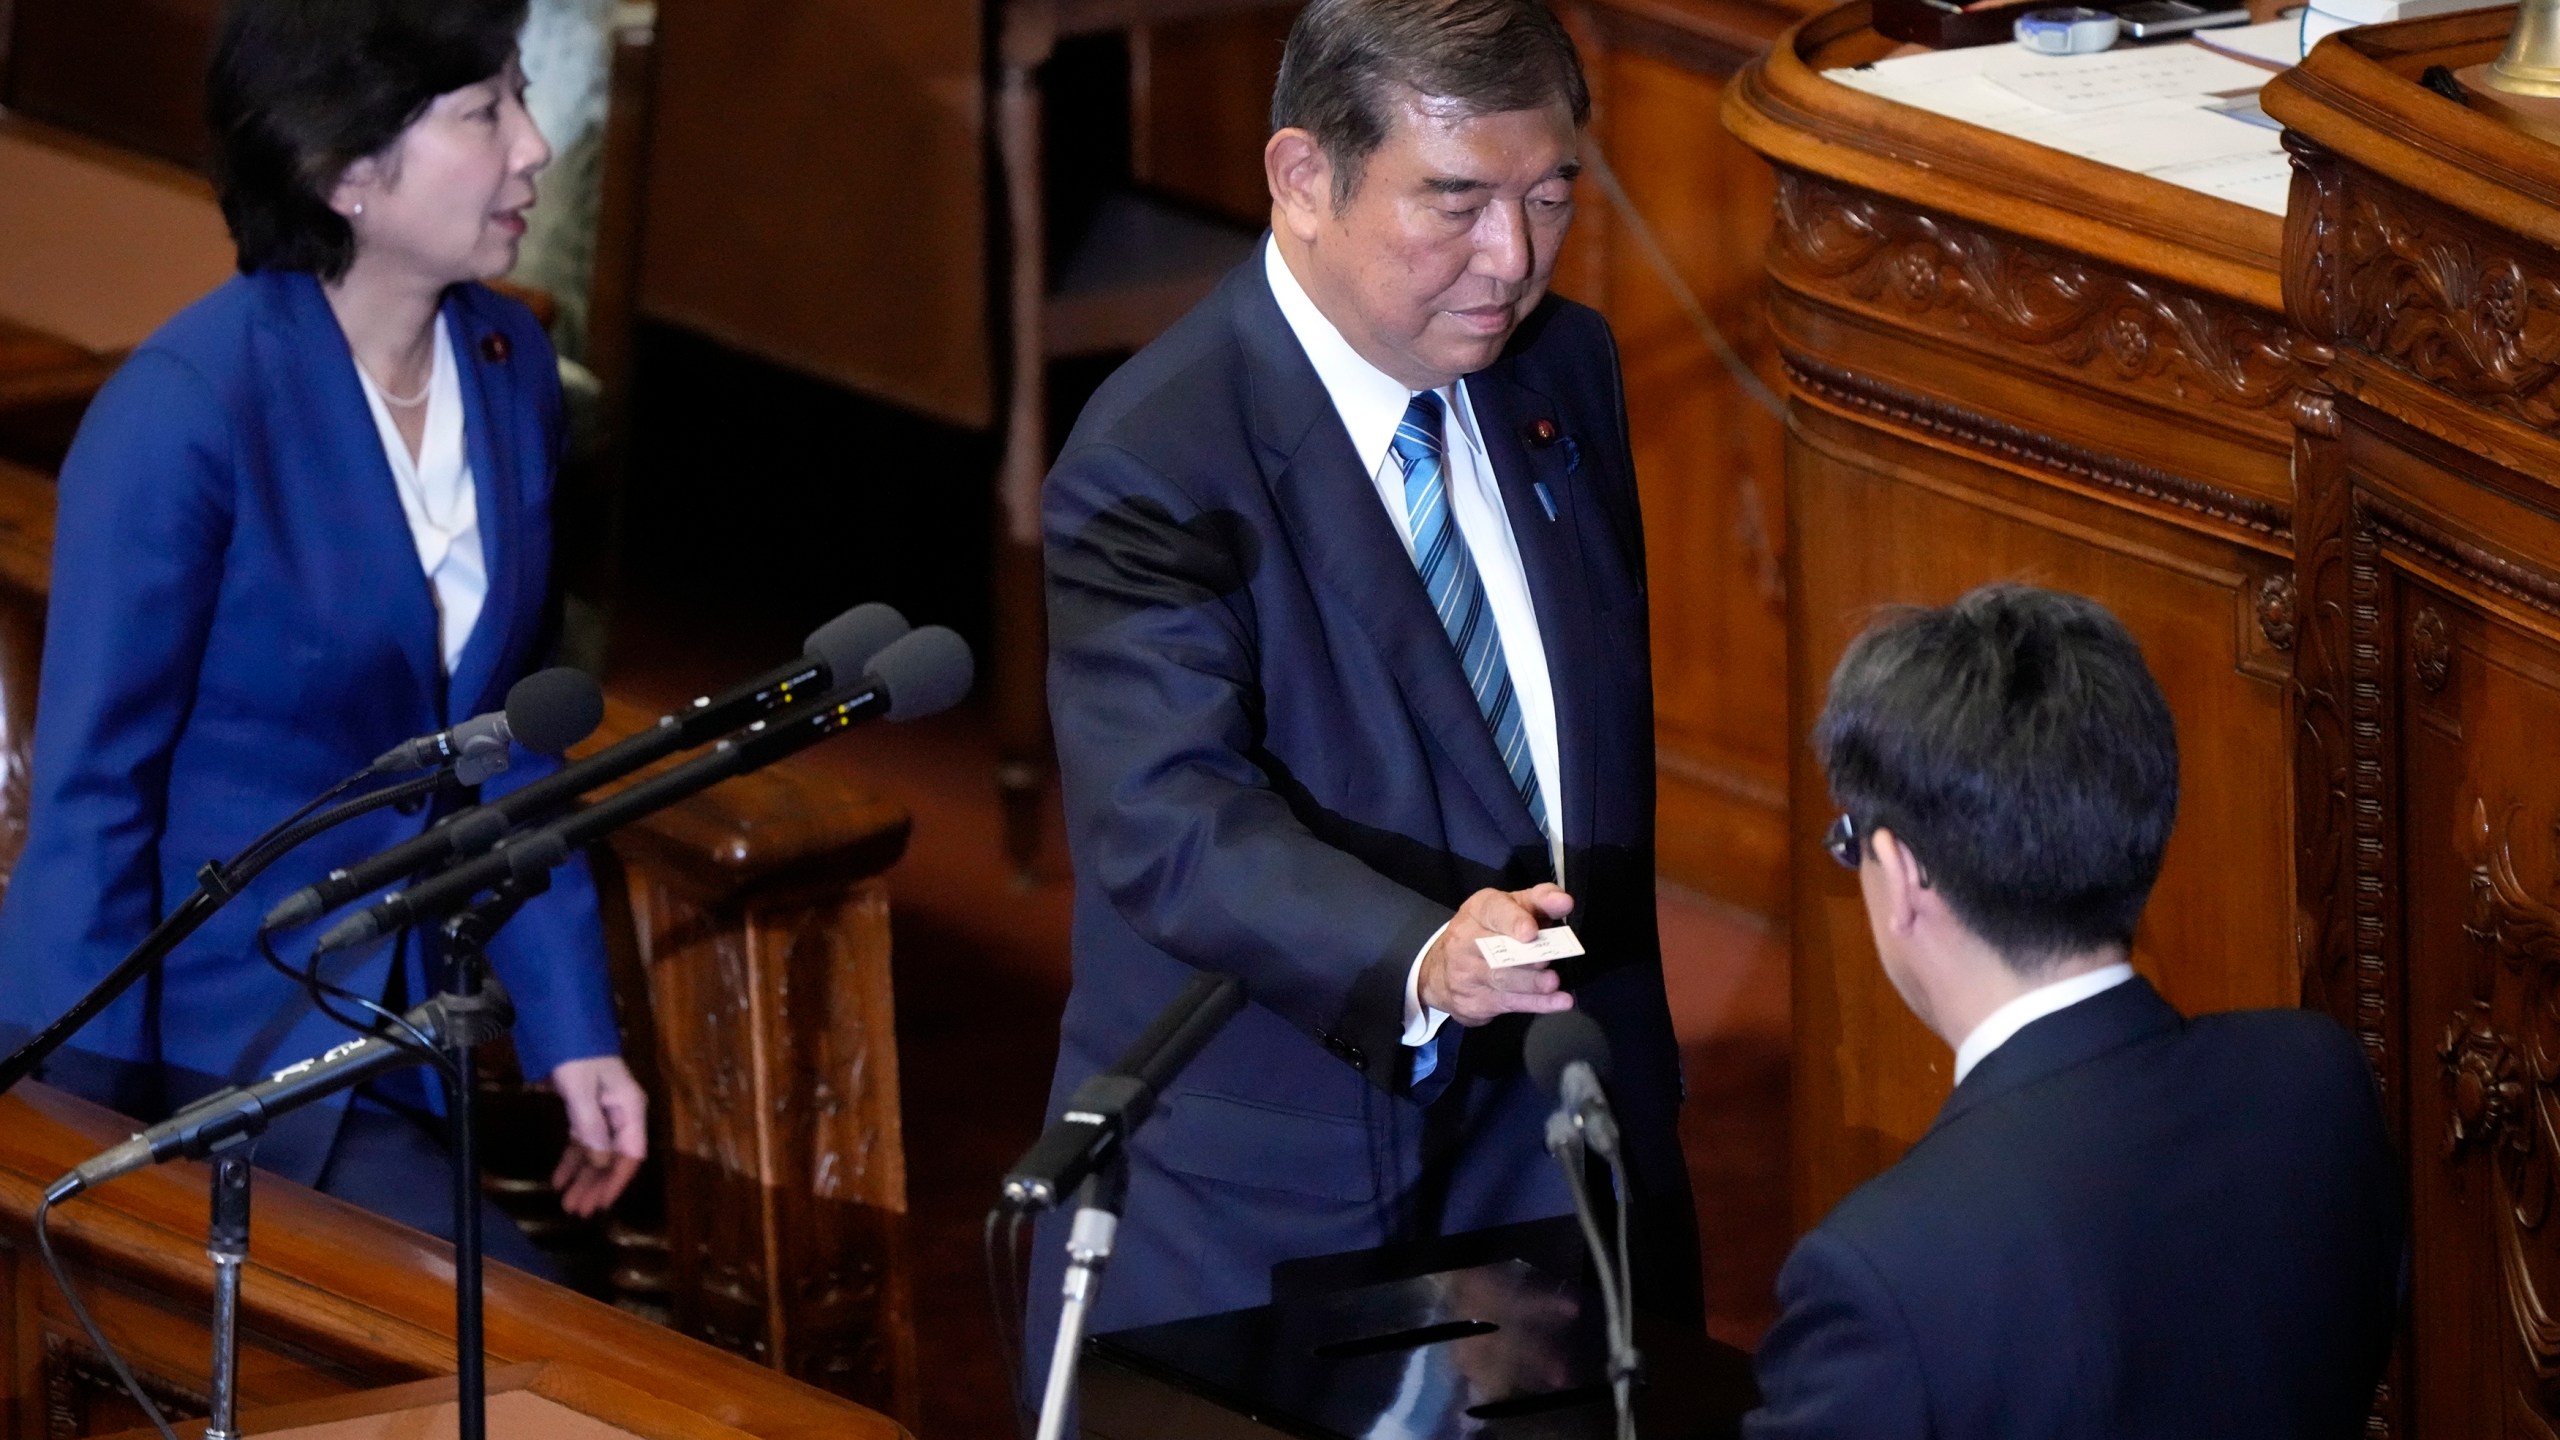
[(2261, 182), (2145, 138), (1967, 97), (2082, 83)]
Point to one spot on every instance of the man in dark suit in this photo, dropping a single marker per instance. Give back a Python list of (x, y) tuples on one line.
[(1349, 669), (2124, 1223)]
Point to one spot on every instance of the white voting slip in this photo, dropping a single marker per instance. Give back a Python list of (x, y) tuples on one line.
[(2147, 109)]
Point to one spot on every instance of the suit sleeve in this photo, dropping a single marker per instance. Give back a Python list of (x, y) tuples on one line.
[(142, 524), (1840, 1361), (552, 957), (1155, 689)]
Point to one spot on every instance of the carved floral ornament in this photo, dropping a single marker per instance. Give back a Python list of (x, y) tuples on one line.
[(2430, 648), (2475, 315), (2499, 1081), (2275, 602), (2131, 328)]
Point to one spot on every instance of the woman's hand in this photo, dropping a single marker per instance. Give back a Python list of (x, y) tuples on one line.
[(608, 1132)]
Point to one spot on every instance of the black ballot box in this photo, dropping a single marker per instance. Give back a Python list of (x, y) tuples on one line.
[(1497, 1335)]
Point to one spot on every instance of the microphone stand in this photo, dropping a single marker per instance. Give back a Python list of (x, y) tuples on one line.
[(466, 938), (227, 1242), (216, 884), (1089, 1239), (1565, 1141)]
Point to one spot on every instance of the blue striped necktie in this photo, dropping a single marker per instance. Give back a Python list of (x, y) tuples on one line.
[(1457, 592)]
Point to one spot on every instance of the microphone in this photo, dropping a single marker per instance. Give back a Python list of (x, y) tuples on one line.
[(1567, 1053), (920, 673), (1109, 1107), (547, 711), (242, 1113), (842, 647)]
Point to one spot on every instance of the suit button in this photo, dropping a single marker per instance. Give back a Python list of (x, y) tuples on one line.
[(1350, 1054)]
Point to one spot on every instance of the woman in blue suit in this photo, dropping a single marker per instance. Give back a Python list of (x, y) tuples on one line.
[(308, 519)]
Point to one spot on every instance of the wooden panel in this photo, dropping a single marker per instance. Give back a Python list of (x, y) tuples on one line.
[(129, 72), (2001, 372), (2218, 935), (1711, 464), (816, 192), (1200, 91)]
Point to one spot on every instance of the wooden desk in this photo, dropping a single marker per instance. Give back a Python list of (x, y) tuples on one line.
[(332, 1300), (2420, 252), (2008, 363)]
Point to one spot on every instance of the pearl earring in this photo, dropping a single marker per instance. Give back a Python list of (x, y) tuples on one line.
[(359, 207)]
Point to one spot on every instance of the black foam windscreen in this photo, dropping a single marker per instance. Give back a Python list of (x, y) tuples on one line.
[(846, 644), (1556, 1041), (924, 671), (550, 710)]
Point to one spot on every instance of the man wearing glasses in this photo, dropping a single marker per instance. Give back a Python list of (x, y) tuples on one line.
[(2124, 1223)]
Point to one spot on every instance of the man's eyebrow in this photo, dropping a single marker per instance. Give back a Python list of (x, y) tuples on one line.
[(1569, 170), (1455, 185)]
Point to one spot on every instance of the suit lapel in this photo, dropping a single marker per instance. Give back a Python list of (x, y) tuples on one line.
[(388, 582), (489, 430), (1345, 541), (1551, 554)]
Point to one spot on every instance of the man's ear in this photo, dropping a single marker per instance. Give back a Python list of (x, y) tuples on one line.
[(1903, 889), (1300, 175)]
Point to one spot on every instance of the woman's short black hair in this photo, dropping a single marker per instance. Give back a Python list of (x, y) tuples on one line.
[(2017, 743), (301, 89)]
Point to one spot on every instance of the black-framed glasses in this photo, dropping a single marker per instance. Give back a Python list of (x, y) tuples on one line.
[(1848, 845), (1845, 843)]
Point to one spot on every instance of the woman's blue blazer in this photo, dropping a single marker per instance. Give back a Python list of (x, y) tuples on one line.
[(238, 620)]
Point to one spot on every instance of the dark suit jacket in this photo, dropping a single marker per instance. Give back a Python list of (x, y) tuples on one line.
[(238, 621), (1274, 767), (2124, 1224)]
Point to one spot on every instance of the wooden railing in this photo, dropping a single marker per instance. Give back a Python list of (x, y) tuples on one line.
[(333, 1300)]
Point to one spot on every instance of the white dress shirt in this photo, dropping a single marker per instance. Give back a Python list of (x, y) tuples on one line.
[(1372, 404), (438, 495), (1998, 1026)]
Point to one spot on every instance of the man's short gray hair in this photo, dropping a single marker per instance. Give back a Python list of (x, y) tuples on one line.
[(1347, 58)]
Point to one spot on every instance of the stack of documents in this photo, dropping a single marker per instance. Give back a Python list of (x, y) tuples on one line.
[(2177, 112), (2328, 17)]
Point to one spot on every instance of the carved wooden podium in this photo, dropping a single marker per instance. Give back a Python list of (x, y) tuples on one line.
[(2312, 463), (2010, 363), (2420, 249)]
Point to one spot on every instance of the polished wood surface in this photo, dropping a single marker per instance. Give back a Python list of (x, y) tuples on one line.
[(2420, 249), (1710, 459), (2009, 364), (816, 192), (333, 1300), (761, 924), (548, 1400), (130, 72)]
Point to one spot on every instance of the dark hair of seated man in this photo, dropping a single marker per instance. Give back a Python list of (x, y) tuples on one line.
[(2017, 744)]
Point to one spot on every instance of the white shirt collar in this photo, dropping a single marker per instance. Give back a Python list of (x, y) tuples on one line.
[(1997, 1027), (1371, 401)]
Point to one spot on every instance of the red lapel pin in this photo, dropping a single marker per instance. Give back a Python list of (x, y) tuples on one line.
[(1543, 433), (495, 349)]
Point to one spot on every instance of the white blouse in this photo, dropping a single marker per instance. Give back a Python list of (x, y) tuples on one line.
[(438, 495)]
